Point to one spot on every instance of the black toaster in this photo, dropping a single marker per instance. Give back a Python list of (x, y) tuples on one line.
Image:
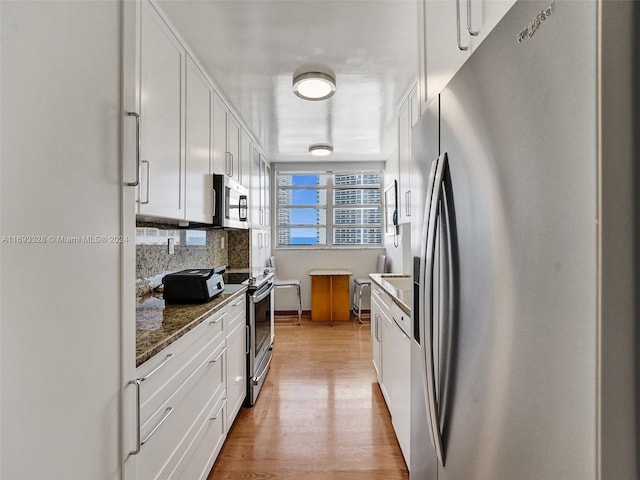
[(192, 286)]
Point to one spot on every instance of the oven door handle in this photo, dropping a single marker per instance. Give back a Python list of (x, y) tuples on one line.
[(257, 378), (259, 296)]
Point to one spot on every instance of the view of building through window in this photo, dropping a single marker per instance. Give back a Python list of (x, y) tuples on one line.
[(329, 209)]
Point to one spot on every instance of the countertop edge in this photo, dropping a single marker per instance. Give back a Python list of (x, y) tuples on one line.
[(391, 290), (157, 348)]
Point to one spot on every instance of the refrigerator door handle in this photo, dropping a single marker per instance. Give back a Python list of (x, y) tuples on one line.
[(426, 344), (427, 267)]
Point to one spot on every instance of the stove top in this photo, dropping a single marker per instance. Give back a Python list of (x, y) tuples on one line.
[(253, 280)]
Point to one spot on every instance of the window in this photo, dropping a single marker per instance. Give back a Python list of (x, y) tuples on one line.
[(329, 208)]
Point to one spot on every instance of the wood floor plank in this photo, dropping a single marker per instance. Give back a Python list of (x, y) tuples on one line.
[(320, 414)]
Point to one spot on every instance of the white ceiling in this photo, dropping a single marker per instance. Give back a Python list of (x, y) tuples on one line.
[(252, 48)]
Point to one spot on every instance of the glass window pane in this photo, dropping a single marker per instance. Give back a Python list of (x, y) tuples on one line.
[(302, 216), (303, 179), (364, 196), (302, 236), (354, 216), (306, 197), (357, 179), (357, 236)]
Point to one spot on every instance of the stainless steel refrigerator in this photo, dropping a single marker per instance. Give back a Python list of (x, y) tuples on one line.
[(524, 355)]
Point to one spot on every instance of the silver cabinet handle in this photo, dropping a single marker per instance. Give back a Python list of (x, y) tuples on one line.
[(148, 170), (239, 303), (137, 382), (215, 360), (460, 47), (469, 30), (158, 367), (232, 166), (247, 340), (407, 203), (135, 184), (401, 330), (217, 414), (217, 320), (166, 414)]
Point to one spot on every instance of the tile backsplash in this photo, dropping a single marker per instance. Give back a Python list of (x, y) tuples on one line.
[(192, 249)]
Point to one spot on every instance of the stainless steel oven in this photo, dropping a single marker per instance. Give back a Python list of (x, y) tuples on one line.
[(259, 334)]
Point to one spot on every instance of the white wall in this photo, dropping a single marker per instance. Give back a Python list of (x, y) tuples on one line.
[(296, 264), (59, 303)]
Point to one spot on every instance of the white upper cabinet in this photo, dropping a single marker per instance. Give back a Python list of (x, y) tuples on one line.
[(161, 192), (198, 119), (227, 134), (266, 192), (246, 149), (219, 154), (404, 164), (449, 32), (260, 190), (233, 164)]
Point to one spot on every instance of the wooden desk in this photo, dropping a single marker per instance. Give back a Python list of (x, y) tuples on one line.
[(330, 294)]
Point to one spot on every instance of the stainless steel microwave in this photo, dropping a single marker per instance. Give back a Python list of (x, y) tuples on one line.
[(230, 203)]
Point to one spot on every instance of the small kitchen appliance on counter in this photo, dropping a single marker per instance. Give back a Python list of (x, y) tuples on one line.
[(193, 285)]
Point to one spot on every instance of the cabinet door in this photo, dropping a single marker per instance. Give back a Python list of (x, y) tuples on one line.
[(233, 168), (485, 15), (444, 38), (401, 408), (198, 118), (246, 148), (236, 371), (256, 188), (161, 191), (404, 164), (387, 359), (219, 155), (266, 192), (376, 330)]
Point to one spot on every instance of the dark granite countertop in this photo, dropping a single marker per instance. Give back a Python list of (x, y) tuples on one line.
[(401, 292), (158, 325)]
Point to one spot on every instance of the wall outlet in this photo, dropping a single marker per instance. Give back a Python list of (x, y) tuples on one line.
[(171, 249), (221, 242)]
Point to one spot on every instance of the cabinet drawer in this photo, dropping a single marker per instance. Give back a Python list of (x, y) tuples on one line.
[(383, 300), (170, 429), (177, 361), (236, 314), (401, 319), (206, 444)]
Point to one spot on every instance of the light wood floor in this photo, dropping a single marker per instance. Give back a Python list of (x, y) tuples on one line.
[(320, 414)]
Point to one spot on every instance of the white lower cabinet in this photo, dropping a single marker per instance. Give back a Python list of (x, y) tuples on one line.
[(392, 359), (190, 395), (236, 358)]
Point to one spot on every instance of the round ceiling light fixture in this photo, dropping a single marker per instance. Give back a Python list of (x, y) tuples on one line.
[(314, 85), (320, 150)]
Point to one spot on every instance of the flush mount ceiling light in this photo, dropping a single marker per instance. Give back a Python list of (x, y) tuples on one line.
[(320, 150), (314, 85)]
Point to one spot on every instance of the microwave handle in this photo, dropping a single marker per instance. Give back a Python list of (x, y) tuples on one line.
[(214, 201)]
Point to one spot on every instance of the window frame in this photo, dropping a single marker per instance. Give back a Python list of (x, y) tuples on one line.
[(329, 207)]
